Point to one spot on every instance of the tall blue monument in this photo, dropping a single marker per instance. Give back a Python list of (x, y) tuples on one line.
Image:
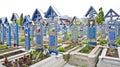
[(112, 28), (65, 38), (8, 32), (14, 19), (38, 20), (52, 28), (27, 22), (91, 26), (118, 26), (74, 29), (1, 31)]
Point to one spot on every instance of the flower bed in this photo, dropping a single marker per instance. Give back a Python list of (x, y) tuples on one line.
[(11, 54), (89, 59), (107, 59), (2, 47), (27, 60), (87, 49)]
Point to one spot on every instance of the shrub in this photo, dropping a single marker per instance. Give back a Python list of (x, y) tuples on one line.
[(22, 39), (86, 48), (118, 40), (103, 42), (85, 41), (61, 49), (69, 35), (4, 47)]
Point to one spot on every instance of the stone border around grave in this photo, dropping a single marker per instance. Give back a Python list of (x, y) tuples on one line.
[(90, 60), (52, 61), (105, 61), (15, 56)]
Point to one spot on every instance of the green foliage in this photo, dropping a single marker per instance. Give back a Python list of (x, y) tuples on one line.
[(45, 46), (86, 48), (61, 49), (4, 47), (69, 35), (100, 18), (118, 40), (84, 66), (21, 19), (85, 41), (22, 39), (102, 42), (31, 38), (99, 33)]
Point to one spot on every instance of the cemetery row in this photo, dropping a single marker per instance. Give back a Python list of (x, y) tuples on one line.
[(76, 43)]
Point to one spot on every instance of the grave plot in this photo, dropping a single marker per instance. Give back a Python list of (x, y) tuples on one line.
[(26, 59), (88, 54), (110, 56)]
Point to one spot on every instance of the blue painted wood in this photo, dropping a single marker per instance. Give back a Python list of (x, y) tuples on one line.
[(8, 32), (91, 12), (92, 31), (51, 13), (112, 30), (111, 13), (14, 18), (2, 33), (27, 22)]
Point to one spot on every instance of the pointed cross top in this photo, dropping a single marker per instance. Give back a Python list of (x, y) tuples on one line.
[(14, 17), (111, 13), (91, 12)]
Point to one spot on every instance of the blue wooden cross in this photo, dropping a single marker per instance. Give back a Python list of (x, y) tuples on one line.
[(91, 26), (27, 22), (74, 29), (65, 33), (112, 28), (118, 25), (1, 31), (14, 18), (52, 29), (39, 31), (8, 32)]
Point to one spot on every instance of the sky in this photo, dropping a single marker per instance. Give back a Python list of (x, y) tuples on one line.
[(65, 7)]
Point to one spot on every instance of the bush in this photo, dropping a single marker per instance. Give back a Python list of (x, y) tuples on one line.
[(85, 41), (102, 42), (31, 38), (86, 48), (4, 47), (22, 39), (118, 40), (69, 35), (61, 49)]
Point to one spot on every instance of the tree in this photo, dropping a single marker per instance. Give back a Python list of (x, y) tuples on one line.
[(100, 18), (21, 19)]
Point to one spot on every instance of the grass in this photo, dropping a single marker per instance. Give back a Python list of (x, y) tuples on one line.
[(4, 47), (102, 42), (22, 39), (61, 49), (86, 49)]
